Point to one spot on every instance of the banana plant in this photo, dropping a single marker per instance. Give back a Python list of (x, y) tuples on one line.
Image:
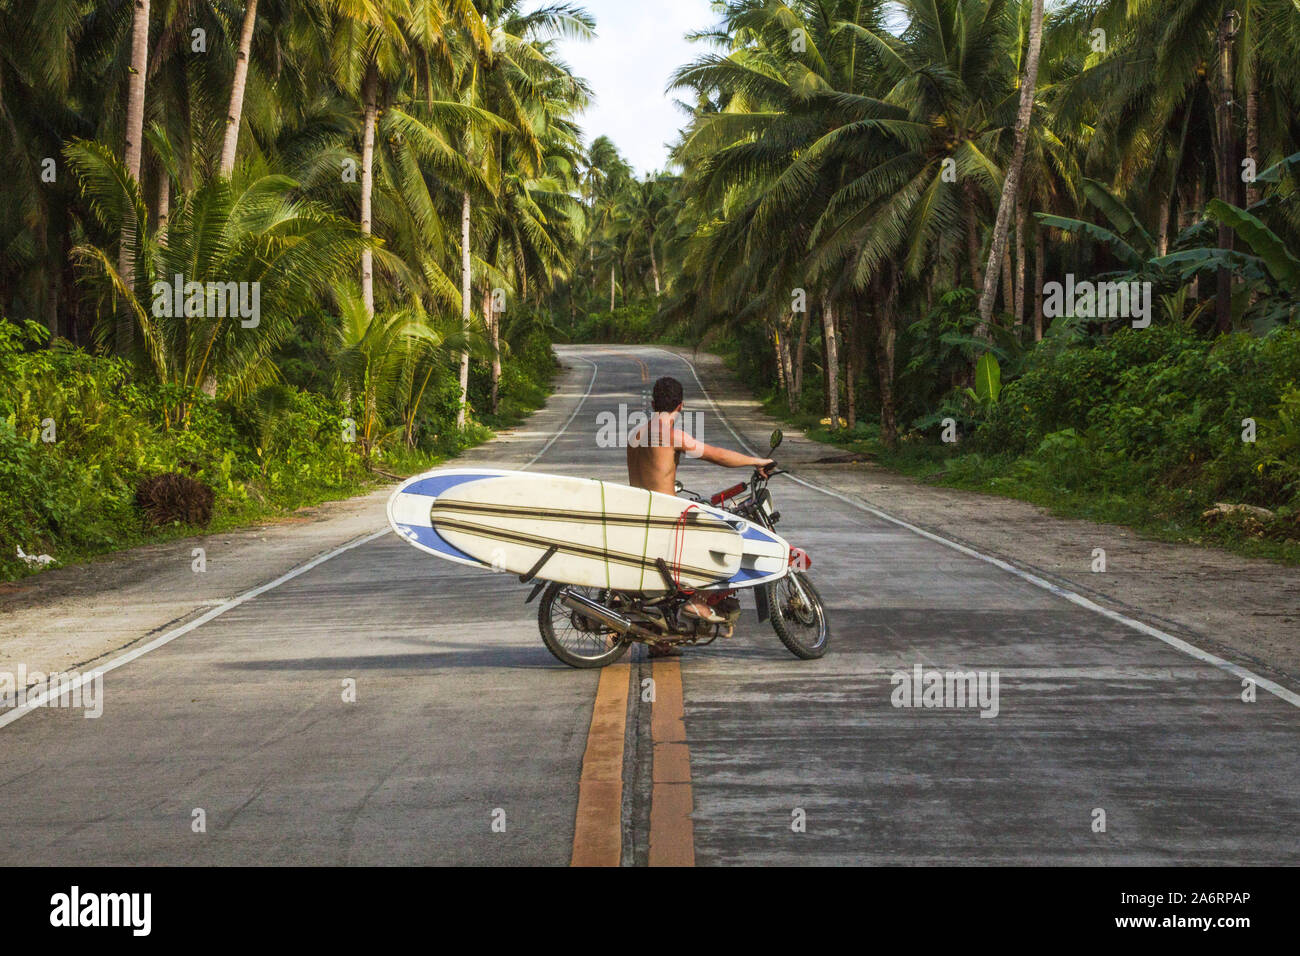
[(1270, 270), (1127, 238), (988, 381)]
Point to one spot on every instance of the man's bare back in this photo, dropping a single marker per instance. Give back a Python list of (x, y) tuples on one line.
[(655, 448), (653, 451)]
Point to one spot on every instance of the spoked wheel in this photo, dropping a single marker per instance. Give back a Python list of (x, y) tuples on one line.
[(573, 637), (798, 616)]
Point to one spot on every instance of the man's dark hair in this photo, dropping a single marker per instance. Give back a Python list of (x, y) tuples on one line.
[(667, 394)]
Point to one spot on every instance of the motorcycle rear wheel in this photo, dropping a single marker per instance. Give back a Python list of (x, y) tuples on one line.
[(574, 638), (801, 624)]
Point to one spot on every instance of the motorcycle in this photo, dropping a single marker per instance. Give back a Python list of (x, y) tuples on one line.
[(594, 627)]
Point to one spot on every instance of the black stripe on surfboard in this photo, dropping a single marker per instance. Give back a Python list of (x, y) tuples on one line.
[(585, 517), (536, 541)]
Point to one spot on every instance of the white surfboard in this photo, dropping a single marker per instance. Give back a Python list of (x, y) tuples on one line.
[(598, 533)]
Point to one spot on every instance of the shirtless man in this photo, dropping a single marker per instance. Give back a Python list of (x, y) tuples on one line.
[(655, 448)]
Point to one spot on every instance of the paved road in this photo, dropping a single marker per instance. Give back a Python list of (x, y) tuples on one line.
[(466, 741)]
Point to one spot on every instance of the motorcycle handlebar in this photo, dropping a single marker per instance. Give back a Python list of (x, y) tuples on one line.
[(734, 490)]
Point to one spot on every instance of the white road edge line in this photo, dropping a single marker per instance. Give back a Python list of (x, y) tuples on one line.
[(577, 408), (1274, 688), (171, 635), (70, 686)]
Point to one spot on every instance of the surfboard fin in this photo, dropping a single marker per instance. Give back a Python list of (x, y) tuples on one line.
[(667, 575), (532, 572)]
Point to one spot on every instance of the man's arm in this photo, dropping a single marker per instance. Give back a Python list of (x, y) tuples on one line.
[(718, 456)]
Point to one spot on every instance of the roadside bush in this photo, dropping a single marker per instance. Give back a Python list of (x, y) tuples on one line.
[(79, 438), (1160, 412), (637, 322)]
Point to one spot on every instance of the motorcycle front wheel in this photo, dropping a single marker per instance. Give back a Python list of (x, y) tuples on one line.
[(570, 635), (798, 616)]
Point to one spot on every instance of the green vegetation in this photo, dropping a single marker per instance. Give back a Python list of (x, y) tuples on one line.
[(636, 322), (1144, 430), (884, 210), (281, 250), (78, 436)]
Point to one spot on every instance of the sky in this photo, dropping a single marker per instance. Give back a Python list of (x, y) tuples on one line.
[(638, 44)]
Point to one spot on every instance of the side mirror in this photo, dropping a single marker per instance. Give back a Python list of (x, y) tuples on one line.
[(776, 439)]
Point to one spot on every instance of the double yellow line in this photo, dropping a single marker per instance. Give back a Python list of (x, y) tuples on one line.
[(645, 369), (598, 827)]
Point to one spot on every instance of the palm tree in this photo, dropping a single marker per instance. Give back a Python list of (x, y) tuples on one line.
[(514, 79), (526, 243), (368, 47), (235, 111), (1168, 83), (606, 177), (646, 208), (133, 226), (383, 365), (854, 136), (247, 237)]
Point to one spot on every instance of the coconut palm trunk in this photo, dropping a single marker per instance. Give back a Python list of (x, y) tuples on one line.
[(135, 90), (464, 307), (1162, 227), (798, 356), (654, 264), (370, 98), (1010, 184), (492, 322), (1008, 285), (1021, 215), (777, 351), (235, 111), (1040, 267), (163, 204), (850, 380), (787, 365), (886, 336), (1252, 125), (1227, 159), (832, 364)]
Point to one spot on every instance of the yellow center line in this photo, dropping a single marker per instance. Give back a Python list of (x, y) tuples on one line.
[(672, 834), (598, 827), (645, 369)]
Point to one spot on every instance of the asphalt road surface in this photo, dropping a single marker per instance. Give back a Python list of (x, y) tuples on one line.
[(239, 741)]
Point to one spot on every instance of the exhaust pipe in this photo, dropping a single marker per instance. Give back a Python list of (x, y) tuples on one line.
[(606, 616)]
